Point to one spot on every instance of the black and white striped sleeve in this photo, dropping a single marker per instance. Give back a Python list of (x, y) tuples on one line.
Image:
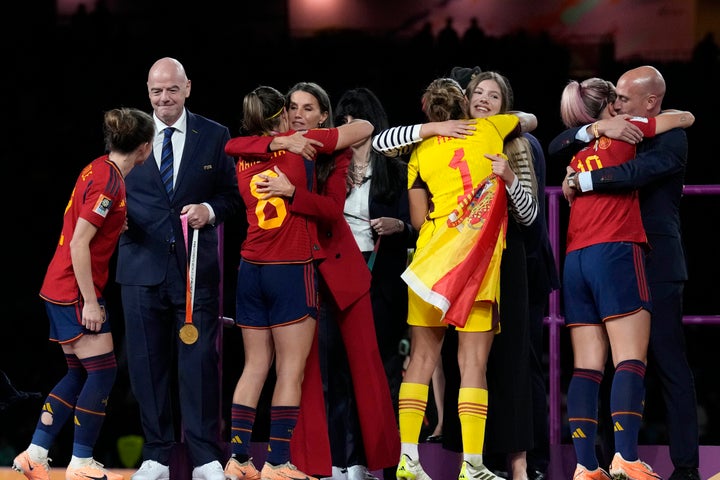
[(522, 202), (396, 141)]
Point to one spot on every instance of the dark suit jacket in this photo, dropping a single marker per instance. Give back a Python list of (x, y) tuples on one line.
[(658, 171), (391, 259), (543, 275), (206, 174)]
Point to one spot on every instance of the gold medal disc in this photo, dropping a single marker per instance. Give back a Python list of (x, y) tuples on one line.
[(188, 334)]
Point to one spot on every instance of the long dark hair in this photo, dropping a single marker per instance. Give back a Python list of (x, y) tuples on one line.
[(387, 180), (324, 164)]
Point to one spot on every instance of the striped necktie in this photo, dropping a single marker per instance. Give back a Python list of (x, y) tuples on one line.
[(166, 161)]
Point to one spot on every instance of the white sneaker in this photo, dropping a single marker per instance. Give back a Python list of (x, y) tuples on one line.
[(209, 471), (338, 473), (360, 472), (81, 469), (470, 472), (409, 469), (152, 470)]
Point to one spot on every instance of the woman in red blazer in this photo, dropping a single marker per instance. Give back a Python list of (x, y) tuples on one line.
[(345, 289)]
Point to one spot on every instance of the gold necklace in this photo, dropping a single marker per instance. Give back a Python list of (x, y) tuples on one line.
[(357, 173)]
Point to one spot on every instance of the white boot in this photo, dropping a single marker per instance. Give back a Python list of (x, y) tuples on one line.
[(359, 472), (338, 473)]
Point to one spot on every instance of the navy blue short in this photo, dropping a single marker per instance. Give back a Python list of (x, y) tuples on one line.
[(272, 295), (604, 281), (66, 322)]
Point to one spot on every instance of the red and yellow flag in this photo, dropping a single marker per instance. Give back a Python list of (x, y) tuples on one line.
[(461, 262)]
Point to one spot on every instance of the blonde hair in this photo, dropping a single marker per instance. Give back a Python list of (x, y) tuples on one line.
[(444, 100), (582, 103), (520, 157)]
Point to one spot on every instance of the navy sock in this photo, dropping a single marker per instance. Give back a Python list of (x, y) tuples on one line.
[(582, 406), (282, 423), (59, 403), (627, 398), (92, 401), (243, 418)]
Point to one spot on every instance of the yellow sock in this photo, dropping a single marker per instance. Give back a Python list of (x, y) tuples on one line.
[(411, 411), (472, 410)]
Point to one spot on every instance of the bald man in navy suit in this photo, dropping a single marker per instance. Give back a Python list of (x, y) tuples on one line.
[(152, 268), (658, 171)]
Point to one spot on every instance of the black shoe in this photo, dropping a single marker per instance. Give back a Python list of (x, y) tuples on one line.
[(536, 475), (683, 473)]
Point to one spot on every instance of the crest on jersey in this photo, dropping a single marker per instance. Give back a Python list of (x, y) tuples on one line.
[(102, 206)]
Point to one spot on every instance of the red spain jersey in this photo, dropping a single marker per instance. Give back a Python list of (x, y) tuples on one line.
[(606, 217), (99, 198), (275, 234)]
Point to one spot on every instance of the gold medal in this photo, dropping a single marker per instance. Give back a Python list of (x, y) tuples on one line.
[(188, 334)]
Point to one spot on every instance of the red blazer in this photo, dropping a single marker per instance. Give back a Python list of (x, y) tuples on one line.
[(348, 278)]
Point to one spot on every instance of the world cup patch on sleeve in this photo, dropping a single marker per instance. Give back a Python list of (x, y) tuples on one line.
[(102, 206)]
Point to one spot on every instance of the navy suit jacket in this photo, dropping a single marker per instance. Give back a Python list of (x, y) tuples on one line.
[(206, 174), (658, 171)]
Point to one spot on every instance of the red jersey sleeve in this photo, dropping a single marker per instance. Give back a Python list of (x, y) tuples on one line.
[(328, 137), (249, 146), (646, 125)]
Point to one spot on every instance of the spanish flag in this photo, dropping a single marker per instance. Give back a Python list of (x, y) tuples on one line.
[(461, 263)]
